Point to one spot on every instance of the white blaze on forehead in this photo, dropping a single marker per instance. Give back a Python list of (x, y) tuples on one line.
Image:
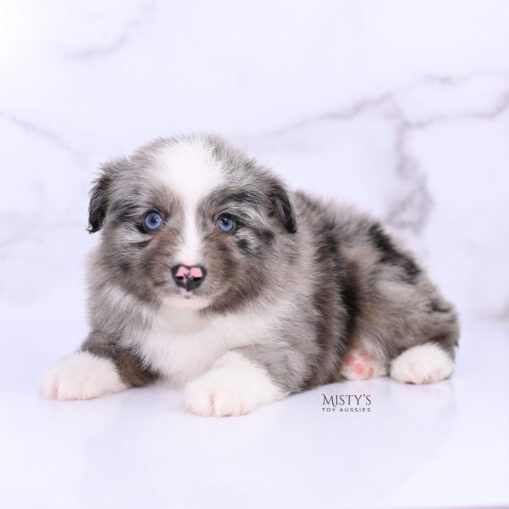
[(189, 169)]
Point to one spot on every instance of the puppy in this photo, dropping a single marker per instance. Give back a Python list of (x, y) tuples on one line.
[(212, 275)]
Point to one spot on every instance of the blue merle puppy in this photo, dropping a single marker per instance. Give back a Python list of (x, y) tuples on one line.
[(212, 275)]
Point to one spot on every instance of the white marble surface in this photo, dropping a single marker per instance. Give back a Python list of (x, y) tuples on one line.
[(401, 107), (436, 446)]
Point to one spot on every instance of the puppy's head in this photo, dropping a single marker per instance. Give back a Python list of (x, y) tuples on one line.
[(190, 222)]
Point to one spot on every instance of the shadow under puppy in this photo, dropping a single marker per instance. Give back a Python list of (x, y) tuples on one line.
[(211, 274)]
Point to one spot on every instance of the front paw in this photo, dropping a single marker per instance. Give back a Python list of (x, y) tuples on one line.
[(234, 386), (81, 376)]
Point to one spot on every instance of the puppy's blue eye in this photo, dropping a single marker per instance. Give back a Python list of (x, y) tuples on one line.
[(153, 221), (225, 223)]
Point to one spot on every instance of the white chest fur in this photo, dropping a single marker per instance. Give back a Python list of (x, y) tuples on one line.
[(182, 344)]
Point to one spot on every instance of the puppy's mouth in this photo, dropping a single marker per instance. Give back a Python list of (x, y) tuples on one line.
[(187, 300), (168, 287), (182, 298), (186, 294)]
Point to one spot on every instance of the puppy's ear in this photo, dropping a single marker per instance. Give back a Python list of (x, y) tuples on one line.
[(100, 193), (283, 207), (98, 204)]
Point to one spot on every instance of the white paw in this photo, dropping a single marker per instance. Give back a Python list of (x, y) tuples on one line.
[(81, 376), (359, 365), (422, 364), (234, 386)]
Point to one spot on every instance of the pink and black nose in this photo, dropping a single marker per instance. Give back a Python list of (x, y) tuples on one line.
[(188, 277)]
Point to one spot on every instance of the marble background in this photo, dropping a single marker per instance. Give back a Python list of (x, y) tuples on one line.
[(401, 107)]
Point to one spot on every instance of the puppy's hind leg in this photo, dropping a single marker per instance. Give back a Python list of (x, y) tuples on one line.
[(361, 365), (422, 364), (430, 360)]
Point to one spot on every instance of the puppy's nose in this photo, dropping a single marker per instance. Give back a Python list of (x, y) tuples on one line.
[(188, 277)]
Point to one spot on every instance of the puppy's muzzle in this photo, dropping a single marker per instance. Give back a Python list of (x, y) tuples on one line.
[(187, 277)]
